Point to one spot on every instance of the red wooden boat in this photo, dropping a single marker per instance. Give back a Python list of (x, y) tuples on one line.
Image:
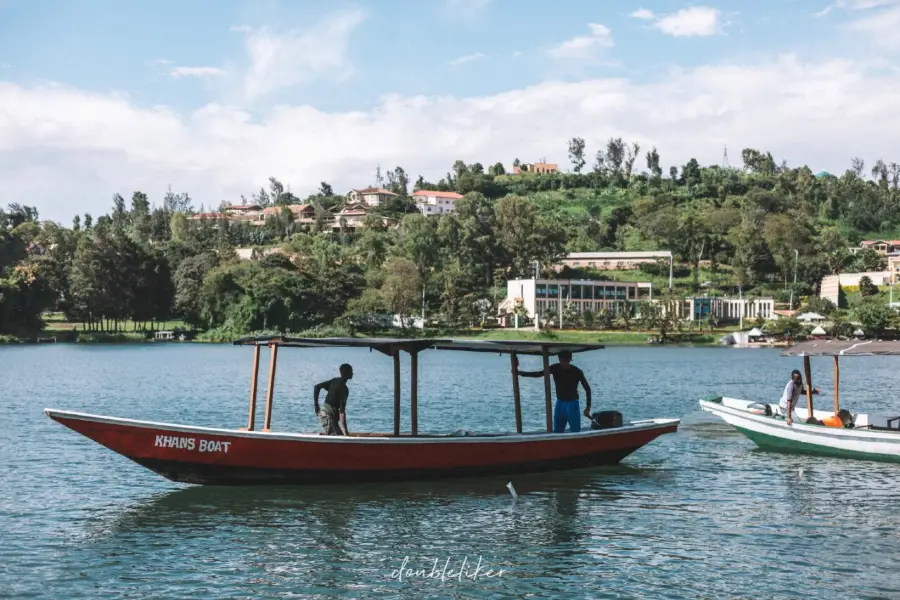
[(247, 456)]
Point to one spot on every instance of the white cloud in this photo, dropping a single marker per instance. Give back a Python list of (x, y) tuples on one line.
[(466, 59), (584, 46), (856, 5), (241, 28), (880, 23), (198, 72), (283, 60), (643, 13), (68, 151), (694, 21)]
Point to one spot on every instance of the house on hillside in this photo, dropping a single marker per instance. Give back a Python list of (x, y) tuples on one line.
[(540, 167), (353, 217), (302, 213), (242, 210), (432, 202), (894, 266), (370, 196), (883, 247)]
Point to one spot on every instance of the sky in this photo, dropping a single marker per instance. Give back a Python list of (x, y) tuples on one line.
[(213, 97)]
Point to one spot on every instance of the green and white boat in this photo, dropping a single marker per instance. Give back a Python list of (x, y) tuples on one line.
[(870, 437)]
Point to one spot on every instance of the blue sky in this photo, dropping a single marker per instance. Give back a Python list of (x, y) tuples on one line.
[(213, 97)]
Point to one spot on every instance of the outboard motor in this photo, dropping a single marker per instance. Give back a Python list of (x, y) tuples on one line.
[(606, 419)]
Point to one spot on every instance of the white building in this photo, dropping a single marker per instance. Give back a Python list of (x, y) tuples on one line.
[(830, 283), (724, 308), (431, 202), (371, 196), (540, 296)]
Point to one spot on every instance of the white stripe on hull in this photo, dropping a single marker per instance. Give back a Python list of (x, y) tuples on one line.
[(632, 427)]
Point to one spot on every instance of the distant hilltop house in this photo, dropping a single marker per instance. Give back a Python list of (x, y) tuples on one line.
[(372, 196), (432, 202), (536, 168)]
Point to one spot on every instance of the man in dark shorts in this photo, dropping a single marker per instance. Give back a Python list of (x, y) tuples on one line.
[(566, 378), (335, 408)]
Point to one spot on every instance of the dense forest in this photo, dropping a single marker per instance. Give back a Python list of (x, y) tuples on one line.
[(750, 228)]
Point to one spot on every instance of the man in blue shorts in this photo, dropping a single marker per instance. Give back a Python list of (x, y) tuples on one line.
[(566, 378)]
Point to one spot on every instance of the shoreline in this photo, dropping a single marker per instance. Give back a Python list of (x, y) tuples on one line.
[(608, 338)]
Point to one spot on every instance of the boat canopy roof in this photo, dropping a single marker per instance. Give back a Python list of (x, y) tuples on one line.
[(844, 348), (388, 345)]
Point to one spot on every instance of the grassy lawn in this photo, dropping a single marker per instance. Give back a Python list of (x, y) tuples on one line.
[(722, 279), (58, 322)]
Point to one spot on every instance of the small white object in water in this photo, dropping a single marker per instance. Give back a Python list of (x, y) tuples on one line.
[(512, 490), (801, 472)]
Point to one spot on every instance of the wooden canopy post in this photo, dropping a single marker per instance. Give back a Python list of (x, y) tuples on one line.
[(270, 391), (414, 391), (837, 378), (516, 398), (546, 355), (809, 388), (396, 354), (251, 420)]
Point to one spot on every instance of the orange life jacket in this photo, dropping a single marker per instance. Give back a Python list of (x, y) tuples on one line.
[(832, 421)]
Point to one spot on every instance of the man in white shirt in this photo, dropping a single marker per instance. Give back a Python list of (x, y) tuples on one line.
[(792, 392)]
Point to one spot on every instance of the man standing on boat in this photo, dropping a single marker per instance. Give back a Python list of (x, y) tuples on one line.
[(792, 392), (566, 378), (335, 409)]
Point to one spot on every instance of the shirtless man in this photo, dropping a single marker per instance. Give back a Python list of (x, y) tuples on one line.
[(566, 378)]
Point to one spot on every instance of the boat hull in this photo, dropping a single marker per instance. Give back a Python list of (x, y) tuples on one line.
[(207, 456), (770, 433)]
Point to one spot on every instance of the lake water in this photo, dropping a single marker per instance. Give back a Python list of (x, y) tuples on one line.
[(697, 514)]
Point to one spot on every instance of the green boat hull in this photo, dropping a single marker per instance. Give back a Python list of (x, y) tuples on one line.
[(779, 444)]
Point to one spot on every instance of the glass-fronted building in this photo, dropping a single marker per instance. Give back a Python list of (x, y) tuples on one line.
[(540, 296)]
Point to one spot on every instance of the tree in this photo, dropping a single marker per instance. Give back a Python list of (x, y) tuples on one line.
[(325, 190), (691, 173), (524, 237), (868, 260), (874, 316), (402, 288), (632, 155), (653, 163), (615, 154), (576, 153), (188, 280), (866, 287)]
